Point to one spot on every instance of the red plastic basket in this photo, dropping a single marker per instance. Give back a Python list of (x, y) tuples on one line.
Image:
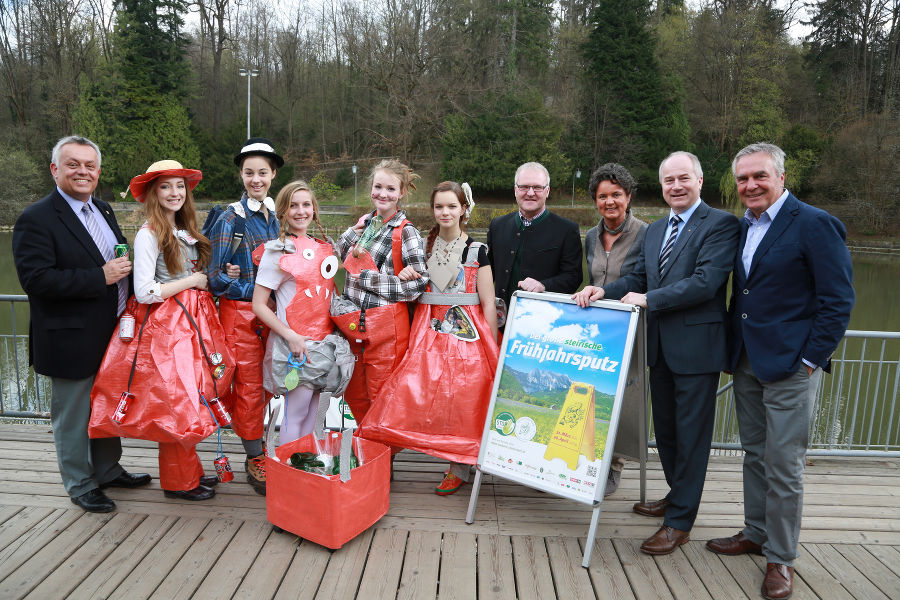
[(322, 509)]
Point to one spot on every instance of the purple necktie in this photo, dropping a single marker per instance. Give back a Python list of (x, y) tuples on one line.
[(93, 227)]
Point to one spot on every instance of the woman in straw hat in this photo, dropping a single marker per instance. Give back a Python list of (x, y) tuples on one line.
[(177, 361)]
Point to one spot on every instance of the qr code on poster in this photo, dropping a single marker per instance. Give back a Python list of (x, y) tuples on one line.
[(591, 471)]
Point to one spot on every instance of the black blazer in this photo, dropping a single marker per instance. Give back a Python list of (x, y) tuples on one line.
[(686, 314), (551, 253), (73, 311)]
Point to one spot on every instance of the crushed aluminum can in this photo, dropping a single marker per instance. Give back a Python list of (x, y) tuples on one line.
[(219, 410), (126, 327), (223, 469)]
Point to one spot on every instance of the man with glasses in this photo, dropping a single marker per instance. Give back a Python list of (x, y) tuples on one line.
[(533, 249)]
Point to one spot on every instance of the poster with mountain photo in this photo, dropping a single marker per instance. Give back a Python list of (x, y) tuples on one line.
[(554, 406)]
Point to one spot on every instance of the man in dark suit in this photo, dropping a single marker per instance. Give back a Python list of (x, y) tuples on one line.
[(680, 279), (63, 250), (790, 306), (533, 249)]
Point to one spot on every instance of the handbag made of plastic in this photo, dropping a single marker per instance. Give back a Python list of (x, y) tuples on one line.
[(178, 354), (328, 366), (329, 510)]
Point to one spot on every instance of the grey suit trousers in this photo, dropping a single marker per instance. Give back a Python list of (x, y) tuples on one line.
[(83, 463), (774, 419)]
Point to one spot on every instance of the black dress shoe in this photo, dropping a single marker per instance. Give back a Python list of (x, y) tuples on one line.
[(95, 501), (201, 492), (128, 480), (209, 480)]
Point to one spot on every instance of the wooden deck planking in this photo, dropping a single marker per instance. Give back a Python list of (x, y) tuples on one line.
[(524, 543)]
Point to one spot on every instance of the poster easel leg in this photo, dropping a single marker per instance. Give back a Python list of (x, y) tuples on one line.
[(473, 499), (592, 533)]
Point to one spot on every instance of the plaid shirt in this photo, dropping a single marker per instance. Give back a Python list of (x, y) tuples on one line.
[(382, 287), (256, 231)]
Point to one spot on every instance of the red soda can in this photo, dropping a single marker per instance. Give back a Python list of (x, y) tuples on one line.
[(124, 401), (223, 469), (126, 327), (219, 410)]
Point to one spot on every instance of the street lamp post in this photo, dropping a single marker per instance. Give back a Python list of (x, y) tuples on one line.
[(577, 176), (248, 73), (354, 185)]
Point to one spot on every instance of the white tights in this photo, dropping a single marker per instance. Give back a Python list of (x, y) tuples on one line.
[(300, 407)]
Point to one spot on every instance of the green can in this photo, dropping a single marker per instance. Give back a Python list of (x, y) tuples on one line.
[(121, 250)]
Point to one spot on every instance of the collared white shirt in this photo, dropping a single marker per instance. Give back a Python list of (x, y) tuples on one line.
[(758, 228), (76, 206), (684, 216)]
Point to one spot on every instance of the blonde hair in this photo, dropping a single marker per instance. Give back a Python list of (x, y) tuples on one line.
[(185, 218), (283, 203), (398, 170)]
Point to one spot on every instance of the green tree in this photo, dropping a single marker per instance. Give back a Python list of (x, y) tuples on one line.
[(632, 113), (134, 111), (485, 145)]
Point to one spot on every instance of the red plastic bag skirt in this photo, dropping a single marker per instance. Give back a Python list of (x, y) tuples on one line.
[(169, 372), (436, 401)]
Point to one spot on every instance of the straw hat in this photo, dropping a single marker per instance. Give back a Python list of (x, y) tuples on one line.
[(258, 146), (163, 168)]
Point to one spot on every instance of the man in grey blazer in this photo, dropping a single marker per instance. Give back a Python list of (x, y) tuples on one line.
[(680, 279), (63, 246)]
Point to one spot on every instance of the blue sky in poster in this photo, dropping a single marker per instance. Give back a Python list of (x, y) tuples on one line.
[(586, 344)]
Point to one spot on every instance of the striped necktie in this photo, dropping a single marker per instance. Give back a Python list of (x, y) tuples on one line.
[(93, 227), (670, 243)]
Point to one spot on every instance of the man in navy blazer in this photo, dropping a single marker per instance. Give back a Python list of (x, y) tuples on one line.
[(76, 289), (790, 306), (680, 279)]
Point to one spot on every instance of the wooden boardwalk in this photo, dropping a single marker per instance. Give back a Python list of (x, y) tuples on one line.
[(523, 544)]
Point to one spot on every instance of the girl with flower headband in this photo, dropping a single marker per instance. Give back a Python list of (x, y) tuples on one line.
[(437, 399), (177, 360)]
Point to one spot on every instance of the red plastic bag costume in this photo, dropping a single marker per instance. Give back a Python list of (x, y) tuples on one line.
[(378, 336), (170, 368), (313, 265), (246, 336), (436, 401)]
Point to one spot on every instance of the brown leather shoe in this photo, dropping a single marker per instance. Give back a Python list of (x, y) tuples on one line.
[(779, 582), (734, 545), (665, 540), (656, 508)]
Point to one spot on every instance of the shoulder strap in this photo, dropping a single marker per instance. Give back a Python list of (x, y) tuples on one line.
[(397, 245), (472, 253)]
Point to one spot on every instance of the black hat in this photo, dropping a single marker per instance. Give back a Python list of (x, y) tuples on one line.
[(258, 146)]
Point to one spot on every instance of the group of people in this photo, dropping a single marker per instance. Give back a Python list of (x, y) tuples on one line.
[(424, 382)]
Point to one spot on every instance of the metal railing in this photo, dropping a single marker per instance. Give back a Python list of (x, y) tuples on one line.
[(856, 413)]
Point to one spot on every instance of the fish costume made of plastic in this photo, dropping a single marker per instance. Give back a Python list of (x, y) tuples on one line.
[(312, 265)]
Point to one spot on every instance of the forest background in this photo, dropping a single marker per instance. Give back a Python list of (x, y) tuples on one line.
[(466, 88)]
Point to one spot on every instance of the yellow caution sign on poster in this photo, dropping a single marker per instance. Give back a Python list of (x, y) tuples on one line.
[(574, 431)]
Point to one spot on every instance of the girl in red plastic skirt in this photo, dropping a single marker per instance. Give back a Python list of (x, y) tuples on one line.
[(436, 401), (176, 362), (372, 312), (242, 228), (300, 270)]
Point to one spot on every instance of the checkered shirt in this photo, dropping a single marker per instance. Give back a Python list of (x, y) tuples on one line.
[(382, 287), (256, 231)]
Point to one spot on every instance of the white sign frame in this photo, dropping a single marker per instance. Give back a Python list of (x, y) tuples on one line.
[(487, 458)]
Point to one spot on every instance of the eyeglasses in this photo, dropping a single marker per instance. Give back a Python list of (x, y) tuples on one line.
[(533, 188)]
